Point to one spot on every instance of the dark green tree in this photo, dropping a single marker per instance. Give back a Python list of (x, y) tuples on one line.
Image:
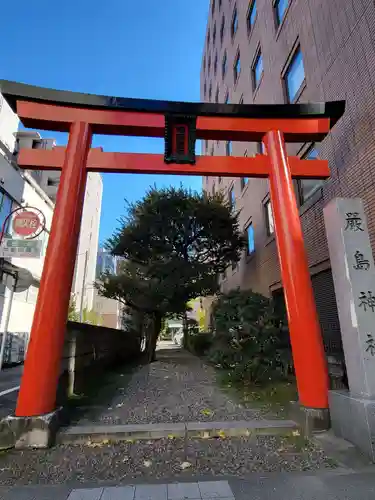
[(175, 242)]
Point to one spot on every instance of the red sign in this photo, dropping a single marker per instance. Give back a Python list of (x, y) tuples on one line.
[(26, 223)]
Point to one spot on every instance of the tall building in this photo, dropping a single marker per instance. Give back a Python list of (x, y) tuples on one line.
[(38, 189), (105, 263), (85, 269), (289, 51)]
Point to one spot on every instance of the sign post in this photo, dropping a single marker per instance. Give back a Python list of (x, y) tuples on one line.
[(353, 270)]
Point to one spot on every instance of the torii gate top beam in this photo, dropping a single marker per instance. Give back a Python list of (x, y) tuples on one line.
[(51, 109)]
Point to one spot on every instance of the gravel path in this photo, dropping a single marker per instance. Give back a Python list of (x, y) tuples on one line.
[(164, 458), (178, 387)]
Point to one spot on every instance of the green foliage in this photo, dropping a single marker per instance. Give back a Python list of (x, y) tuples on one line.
[(91, 317), (199, 343), (181, 240), (250, 338), (174, 243), (73, 314)]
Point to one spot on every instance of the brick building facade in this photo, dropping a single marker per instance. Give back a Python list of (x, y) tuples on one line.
[(279, 51)]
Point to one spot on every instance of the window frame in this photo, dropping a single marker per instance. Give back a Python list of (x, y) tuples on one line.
[(288, 65), (234, 23), (224, 65), (267, 204), (319, 182), (222, 30), (232, 197), (248, 251), (252, 5), (236, 72), (257, 57), (279, 20), (13, 205)]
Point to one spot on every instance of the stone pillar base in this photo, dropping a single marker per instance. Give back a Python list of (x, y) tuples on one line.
[(310, 419), (29, 432), (353, 418)]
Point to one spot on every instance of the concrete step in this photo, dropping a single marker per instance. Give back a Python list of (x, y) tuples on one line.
[(81, 434)]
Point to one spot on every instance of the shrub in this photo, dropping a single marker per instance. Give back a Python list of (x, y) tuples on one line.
[(250, 338), (199, 343)]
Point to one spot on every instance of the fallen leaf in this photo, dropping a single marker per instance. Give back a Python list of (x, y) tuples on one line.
[(147, 463), (185, 465), (296, 433), (170, 436), (206, 412), (221, 434)]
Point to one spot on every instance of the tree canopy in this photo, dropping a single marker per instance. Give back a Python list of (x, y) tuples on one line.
[(174, 243)]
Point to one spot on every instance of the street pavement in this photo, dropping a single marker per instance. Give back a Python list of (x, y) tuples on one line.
[(10, 379), (335, 485)]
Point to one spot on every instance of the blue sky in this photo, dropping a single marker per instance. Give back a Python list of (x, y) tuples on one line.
[(130, 48)]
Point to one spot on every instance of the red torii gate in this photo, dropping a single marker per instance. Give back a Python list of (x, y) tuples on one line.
[(181, 124)]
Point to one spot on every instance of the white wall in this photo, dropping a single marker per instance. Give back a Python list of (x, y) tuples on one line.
[(30, 194), (9, 123), (89, 242)]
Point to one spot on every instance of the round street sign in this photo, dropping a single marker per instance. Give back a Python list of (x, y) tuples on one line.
[(26, 223)]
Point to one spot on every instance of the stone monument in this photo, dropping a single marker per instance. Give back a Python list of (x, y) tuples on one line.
[(352, 262)]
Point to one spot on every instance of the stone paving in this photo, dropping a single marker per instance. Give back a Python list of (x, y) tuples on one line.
[(204, 490), (178, 387)]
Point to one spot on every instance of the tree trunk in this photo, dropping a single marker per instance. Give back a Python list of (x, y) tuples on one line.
[(152, 330)]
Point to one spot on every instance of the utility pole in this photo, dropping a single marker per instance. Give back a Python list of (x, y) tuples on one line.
[(83, 287)]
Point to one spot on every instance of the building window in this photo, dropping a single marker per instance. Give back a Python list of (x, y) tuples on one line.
[(220, 2), (224, 64), (210, 92), (251, 15), (222, 30), (215, 65), (294, 75), (204, 62), (5, 209), (257, 69), (232, 198), (237, 67), (226, 101), (307, 187), (270, 224), (205, 89), (217, 95), (208, 37), (250, 239), (280, 9), (209, 64), (214, 34), (228, 148), (234, 25), (213, 6)]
